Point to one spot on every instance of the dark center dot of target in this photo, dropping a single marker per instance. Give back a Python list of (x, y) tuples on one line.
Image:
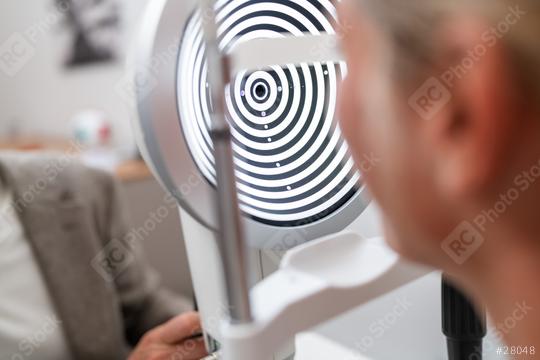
[(260, 91)]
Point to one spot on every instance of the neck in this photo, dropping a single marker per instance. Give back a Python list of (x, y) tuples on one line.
[(504, 277)]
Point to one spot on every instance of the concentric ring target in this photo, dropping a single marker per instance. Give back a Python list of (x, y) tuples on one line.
[(292, 164)]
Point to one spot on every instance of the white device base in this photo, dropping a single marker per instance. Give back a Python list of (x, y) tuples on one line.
[(313, 346), (404, 324), (315, 283)]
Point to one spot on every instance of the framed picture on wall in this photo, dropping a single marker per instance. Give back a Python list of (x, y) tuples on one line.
[(94, 27)]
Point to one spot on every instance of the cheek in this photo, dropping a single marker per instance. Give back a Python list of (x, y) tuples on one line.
[(351, 119), (345, 105), (361, 128)]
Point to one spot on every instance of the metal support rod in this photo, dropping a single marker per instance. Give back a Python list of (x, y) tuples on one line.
[(232, 244)]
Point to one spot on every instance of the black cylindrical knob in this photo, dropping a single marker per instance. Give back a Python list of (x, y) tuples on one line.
[(462, 324)]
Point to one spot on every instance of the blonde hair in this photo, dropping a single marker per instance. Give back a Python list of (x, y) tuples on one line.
[(412, 24)]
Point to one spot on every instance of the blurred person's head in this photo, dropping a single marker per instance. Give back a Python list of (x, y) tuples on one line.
[(446, 94)]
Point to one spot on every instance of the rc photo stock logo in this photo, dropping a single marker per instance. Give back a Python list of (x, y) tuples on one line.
[(435, 93), (136, 83), (279, 243), (141, 80), (463, 242), (15, 53), (18, 49), (468, 237), (432, 96), (112, 260)]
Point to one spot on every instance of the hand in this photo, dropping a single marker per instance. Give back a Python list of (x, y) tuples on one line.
[(171, 341)]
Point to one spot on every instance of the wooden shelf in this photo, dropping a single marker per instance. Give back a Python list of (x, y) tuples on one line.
[(34, 144), (133, 170)]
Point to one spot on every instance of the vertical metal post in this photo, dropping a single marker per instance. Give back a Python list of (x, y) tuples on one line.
[(231, 234)]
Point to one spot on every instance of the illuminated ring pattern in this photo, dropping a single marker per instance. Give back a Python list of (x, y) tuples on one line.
[(292, 164)]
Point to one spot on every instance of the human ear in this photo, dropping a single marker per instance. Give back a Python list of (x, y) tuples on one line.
[(476, 130)]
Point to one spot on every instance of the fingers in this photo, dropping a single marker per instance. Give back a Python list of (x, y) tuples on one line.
[(193, 349), (189, 350), (171, 341), (176, 330)]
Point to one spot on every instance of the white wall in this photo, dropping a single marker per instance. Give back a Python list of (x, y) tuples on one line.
[(43, 96)]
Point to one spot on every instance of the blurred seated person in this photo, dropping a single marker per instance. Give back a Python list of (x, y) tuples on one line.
[(73, 285)]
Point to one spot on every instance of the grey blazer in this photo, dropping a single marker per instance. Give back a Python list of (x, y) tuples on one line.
[(105, 296)]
